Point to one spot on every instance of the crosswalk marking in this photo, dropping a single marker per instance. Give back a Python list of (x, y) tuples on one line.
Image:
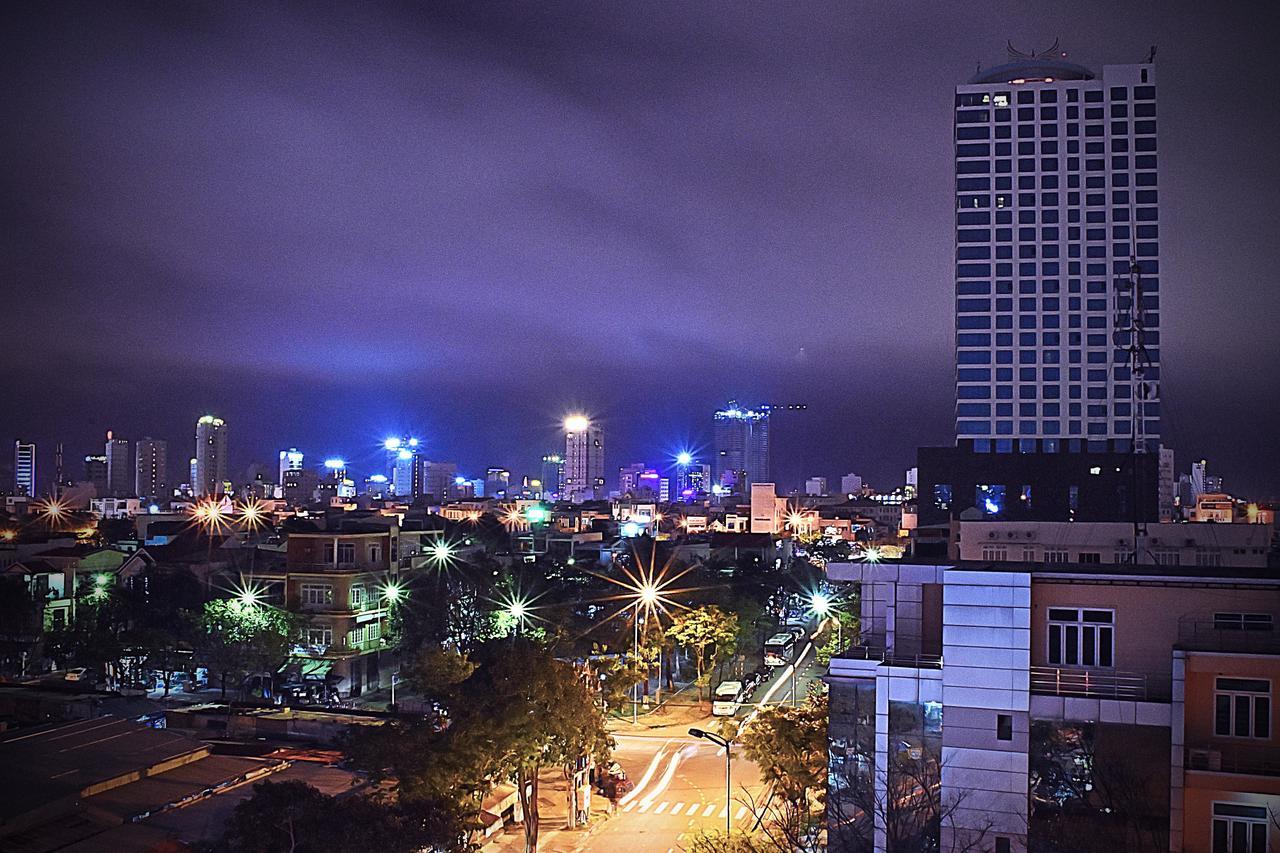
[(742, 810), (644, 806), (662, 807), (724, 812), (711, 809), (693, 809), (629, 806)]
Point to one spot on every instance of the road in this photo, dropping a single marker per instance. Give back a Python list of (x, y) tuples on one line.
[(680, 780)]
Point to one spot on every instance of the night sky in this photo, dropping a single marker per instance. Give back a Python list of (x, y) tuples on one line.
[(327, 222)]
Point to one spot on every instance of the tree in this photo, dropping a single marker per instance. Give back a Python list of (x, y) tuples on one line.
[(20, 624), (517, 711), (790, 746), (710, 633), (236, 637), (293, 817)]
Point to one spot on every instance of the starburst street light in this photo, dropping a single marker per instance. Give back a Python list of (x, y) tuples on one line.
[(441, 554), (684, 459), (871, 554), (252, 514), (393, 592), (52, 511), (576, 423)]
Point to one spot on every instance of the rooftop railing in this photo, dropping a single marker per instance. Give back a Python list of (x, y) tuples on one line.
[(1095, 684), (1208, 634)]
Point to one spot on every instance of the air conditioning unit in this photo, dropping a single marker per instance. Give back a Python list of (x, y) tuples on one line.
[(1204, 759)]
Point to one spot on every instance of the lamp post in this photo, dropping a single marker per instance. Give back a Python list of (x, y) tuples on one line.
[(728, 785)]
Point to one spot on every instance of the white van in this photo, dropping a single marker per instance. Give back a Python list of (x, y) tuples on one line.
[(727, 698)]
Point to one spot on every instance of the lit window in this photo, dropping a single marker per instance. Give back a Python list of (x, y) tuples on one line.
[(1079, 637), (1242, 708), (319, 637), (989, 498)]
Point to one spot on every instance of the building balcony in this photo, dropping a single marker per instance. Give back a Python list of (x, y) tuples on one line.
[(887, 657), (1209, 635), (1238, 760), (1100, 684)]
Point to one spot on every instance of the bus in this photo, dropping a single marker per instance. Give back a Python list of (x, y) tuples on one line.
[(727, 698), (779, 649)]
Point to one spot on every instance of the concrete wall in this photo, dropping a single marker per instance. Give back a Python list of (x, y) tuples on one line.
[(986, 646)]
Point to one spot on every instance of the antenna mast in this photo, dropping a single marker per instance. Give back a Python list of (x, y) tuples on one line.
[(1130, 336)]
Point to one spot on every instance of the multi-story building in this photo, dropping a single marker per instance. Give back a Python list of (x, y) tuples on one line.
[(210, 470), (24, 468), (95, 473), (742, 447), (151, 475), (439, 480), (1056, 199), (299, 485), (552, 476), (1112, 543), (346, 584), (290, 460), (497, 482), (815, 486), (404, 467), (120, 473), (583, 460), (851, 485), (1057, 707)]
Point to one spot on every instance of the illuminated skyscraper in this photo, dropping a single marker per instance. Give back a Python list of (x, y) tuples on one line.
[(120, 474), (583, 460), (211, 457), (151, 470), (497, 482), (742, 446), (95, 472), (290, 460), (24, 468), (1055, 200), (403, 467), (552, 476)]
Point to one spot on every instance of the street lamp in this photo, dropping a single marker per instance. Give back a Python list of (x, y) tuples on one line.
[(822, 605), (728, 784)]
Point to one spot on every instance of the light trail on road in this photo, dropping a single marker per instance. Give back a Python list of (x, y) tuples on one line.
[(648, 775)]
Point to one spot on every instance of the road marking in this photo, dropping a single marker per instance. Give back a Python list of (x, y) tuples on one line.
[(676, 808), (693, 809), (648, 774), (662, 807), (628, 807), (742, 810), (711, 808), (667, 776), (644, 806), (724, 811)]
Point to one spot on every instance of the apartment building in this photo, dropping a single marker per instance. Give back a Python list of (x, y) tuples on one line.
[(1014, 707), (343, 583), (1111, 542)]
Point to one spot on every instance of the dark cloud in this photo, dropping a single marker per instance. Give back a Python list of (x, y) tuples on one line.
[(330, 220)]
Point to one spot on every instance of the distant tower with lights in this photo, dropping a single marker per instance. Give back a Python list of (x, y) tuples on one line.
[(24, 468), (403, 466), (151, 479), (583, 460), (211, 457), (120, 474), (742, 446)]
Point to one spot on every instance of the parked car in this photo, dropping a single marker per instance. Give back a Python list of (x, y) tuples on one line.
[(80, 673)]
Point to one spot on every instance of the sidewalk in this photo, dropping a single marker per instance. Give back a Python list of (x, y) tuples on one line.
[(553, 812)]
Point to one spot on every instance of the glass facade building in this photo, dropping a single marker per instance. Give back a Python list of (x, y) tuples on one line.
[(1056, 200)]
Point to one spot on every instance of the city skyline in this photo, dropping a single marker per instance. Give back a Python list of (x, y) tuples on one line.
[(844, 261)]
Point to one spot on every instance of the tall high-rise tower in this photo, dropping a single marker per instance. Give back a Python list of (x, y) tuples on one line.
[(742, 446), (24, 468), (1056, 201), (152, 479), (290, 460), (211, 456), (120, 474), (583, 460)]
